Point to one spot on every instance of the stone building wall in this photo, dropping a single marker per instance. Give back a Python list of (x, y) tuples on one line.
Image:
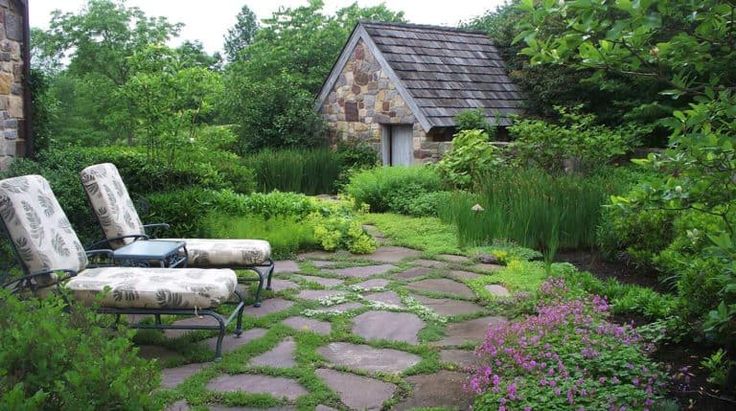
[(363, 99), (12, 139)]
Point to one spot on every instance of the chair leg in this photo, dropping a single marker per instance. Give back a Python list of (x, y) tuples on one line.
[(260, 287), (220, 336), (270, 274), (241, 309)]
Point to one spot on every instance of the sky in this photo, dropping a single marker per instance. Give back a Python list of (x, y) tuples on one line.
[(208, 21)]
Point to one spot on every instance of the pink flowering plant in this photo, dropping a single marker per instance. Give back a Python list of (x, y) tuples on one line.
[(566, 356)]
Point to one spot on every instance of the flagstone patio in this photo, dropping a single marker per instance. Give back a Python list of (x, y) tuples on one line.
[(351, 338)]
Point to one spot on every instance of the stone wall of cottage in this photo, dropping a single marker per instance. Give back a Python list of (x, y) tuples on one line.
[(12, 140), (363, 99)]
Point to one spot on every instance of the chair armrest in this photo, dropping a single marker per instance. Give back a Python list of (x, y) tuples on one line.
[(107, 241), (158, 226), (26, 280), (100, 252)]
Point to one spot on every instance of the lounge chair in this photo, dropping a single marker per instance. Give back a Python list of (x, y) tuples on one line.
[(121, 225), (51, 256)]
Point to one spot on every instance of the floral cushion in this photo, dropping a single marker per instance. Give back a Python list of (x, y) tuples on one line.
[(226, 253), (154, 287), (38, 226), (111, 202)]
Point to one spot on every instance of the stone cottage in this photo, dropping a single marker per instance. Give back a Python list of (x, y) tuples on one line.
[(400, 86), (15, 97)]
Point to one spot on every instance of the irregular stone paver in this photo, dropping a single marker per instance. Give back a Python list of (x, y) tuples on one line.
[(285, 266), (458, 259), (203, 320), (447, 307), (363, 272), (316, 255), (278, 387), (308, 324), (486, 268), (172, 377), (324, 408), (441, 390), (374, 283), (498, 290), (281, 285), (413, 273), (342, 308), (324, 282), (281, 356), (151, 352), (388, 254), (231, 343), (223, 408), (359, 393), (368, 359), (471, 330), (180, 405), (384, 325), (318, 294), (463, 275), (429, 263), (270, 306), (323, 264), (461, 358), (443, 286), (386, 297)]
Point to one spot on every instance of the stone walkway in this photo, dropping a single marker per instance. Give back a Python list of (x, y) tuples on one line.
[(387, 331)]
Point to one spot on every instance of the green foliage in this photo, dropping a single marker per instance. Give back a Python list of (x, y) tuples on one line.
[(419, 203), (59, 359), (717, 365), (286, 234), (471, 156), (311, 172), (531, 208), (339, 229), (576, 138), (474, 120), (384, 187), (241, 34), (428, 234)]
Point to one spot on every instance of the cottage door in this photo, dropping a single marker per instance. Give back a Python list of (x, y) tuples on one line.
[(398, 146)]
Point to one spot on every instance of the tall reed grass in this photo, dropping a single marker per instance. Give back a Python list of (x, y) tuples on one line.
[(531, 208), (312, 171)]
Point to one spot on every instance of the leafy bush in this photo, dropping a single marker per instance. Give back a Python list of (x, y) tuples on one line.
[(471, 157), (474, 120), (379, 187), (357, 155), (287, 235), (59, 359), (531, 208), (566, 356), (423, 204), (577, 138)]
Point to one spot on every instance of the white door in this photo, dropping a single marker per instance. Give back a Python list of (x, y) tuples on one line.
[(397, 145)]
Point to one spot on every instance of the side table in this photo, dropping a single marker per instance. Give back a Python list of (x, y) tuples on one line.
[(168, 254)]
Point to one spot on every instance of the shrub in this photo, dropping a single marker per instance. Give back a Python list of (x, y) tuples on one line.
[(471, 157), (474, 120), (357, 155), (565, 356), (531, 208), (59, 359), (378, 187), (578, 138), (339, 229), (313, 171), (423, 204)]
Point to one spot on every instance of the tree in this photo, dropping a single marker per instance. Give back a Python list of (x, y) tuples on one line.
[(192, 54), (241, 34)]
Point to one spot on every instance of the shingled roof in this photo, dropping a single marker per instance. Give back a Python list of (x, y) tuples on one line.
[(441, 71)]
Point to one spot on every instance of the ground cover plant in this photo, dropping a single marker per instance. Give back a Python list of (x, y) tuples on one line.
[(392, 188), (566, 356)]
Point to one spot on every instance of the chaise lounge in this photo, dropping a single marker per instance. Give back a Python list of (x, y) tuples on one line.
[(51, 256), (121, 225)]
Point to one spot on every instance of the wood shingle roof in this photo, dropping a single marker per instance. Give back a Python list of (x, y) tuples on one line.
[(446, 71)]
